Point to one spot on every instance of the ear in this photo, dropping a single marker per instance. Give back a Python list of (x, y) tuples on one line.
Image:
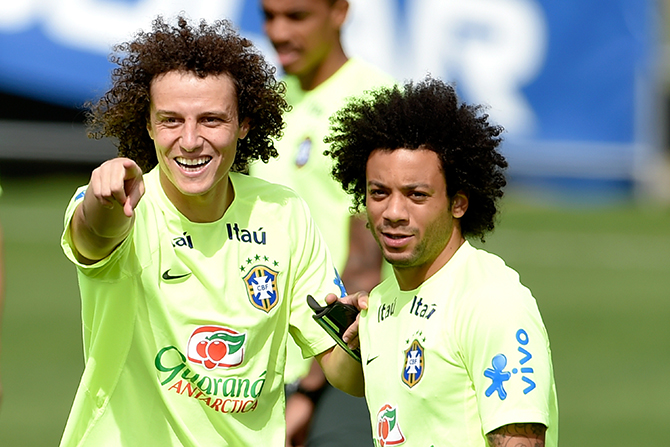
[(245, 127), (150, 129), (459, 204), (339, 12)]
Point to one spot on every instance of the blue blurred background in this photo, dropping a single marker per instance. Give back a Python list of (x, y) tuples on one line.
[(581, 87), (578, 84)]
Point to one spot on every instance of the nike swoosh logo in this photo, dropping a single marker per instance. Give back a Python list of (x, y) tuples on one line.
[(370, 360), (168, 277)]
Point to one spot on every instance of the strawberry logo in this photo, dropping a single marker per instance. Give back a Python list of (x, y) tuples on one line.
[(216, 347), (388, 429)]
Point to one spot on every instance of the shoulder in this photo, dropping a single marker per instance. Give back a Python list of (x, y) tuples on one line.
[(247, 186), (367, 72), (356, 77), (487, 281), (255, 192)]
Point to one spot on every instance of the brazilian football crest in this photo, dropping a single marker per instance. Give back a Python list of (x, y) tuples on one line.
[(262, 287), (414, 364)]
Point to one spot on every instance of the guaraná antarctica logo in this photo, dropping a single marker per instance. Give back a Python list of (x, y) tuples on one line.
[(216, 347), (388, 428)]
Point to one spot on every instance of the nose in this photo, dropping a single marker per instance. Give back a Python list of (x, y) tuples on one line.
[(190, 138), (396, 209), (276, 29)]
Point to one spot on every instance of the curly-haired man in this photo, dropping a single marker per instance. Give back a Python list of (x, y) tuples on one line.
[(454, 349), (192, 274)]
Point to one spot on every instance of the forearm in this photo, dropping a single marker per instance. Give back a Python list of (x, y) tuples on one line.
[(97, 230), (342, 371)]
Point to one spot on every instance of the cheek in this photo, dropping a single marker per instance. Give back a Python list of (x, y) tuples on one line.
[(373, 210)]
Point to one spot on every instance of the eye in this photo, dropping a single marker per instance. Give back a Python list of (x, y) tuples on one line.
[(168, 121), (418, 196), (298, 16), (211, 120), (376, 193)]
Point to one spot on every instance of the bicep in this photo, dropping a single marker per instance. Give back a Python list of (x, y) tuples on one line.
[(517, 435)]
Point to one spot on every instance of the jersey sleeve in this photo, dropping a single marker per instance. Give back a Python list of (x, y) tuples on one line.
[(507, 352), (108, 266), (314, 274)]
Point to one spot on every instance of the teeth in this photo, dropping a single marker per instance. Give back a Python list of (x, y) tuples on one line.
[(192, 162)]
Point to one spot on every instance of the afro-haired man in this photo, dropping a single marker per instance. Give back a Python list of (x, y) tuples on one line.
[(192, 274), (453, 345)]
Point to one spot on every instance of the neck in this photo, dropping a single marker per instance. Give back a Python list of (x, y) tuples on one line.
[(322, 72), (202, 208), (410, 278)]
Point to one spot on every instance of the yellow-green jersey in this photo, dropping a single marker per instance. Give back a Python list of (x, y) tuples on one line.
[(456, 358), (185, 324), (302, 166)]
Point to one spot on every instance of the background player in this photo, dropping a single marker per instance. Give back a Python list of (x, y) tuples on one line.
[(306, 35), (454, 348), (191, 274)]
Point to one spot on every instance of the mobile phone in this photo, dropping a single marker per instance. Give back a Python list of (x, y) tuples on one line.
[(335, 318)]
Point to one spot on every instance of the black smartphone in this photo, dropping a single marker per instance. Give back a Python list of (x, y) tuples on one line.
[(335, 318)]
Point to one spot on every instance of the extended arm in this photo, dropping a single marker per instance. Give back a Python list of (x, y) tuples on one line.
[(105, 216), (517, 435)]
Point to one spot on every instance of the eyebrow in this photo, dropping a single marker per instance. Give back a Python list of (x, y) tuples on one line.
[(222, 113), (409, 186)]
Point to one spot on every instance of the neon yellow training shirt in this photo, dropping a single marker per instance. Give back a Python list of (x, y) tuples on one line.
[(185, 324), (456, 358), (302, 166)]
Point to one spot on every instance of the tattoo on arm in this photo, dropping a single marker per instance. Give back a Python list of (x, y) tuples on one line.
[(517, 435)]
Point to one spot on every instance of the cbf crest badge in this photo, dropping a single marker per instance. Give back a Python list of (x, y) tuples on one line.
[(414, 364), (262, 287)]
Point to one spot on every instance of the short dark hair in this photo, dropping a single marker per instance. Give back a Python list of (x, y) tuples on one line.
[(123, 112), (423, 115)]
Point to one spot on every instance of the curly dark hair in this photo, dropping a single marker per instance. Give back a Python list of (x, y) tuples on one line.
[(423, 115), (214, 49)]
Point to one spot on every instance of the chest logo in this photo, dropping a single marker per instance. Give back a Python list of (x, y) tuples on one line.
[(388, 428), (414, 366), (182, 241), (216, 347), (262, 287)]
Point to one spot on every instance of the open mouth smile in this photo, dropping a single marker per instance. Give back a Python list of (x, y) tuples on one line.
[(192, 164)]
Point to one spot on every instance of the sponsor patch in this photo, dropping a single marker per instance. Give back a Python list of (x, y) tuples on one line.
[(388, 428), (216, 347), (520, 369)]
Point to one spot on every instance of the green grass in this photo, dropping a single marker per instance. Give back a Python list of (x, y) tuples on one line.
[(601, 276)]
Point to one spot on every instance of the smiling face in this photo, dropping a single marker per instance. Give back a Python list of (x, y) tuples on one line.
[(195, 127), (410, 214), (304, 33)]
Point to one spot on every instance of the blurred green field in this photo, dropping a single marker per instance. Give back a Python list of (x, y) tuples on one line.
[(601, 275)]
